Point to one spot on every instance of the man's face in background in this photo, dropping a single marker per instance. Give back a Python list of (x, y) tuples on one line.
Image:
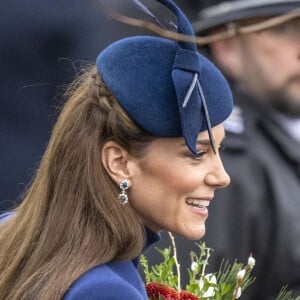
[(270, 66), (266, 64)]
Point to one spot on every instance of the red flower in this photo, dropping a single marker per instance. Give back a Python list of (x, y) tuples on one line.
[(184, 295), (156, 290)]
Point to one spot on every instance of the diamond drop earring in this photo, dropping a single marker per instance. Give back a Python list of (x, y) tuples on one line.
[(124, 186)]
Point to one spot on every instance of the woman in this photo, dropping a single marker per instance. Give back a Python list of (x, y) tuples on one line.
[(134, 151)]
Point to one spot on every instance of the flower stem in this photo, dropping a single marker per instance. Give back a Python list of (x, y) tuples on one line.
[(205, 261), (176, 260)]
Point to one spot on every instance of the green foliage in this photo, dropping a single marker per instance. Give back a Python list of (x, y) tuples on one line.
[(284, 294), (225, 284), (163, 272), (227, 279)]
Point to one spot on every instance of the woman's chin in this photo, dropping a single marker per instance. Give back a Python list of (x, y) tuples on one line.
[(194, 234)]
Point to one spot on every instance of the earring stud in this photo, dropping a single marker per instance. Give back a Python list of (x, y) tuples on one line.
[(124, 186)]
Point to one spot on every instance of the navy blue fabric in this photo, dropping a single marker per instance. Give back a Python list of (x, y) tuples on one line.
[(183, 24), (150, 78), (124, 69), (112, 281), (138, 71), (186, 64)]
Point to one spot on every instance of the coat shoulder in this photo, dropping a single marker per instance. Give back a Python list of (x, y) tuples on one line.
[(105, 282)]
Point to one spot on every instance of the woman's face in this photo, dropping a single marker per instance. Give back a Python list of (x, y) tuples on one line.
[(172, 188)]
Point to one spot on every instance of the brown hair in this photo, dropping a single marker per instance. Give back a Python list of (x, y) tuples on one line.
[(70, 219)]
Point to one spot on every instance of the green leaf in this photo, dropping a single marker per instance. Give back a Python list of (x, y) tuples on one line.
[(164, 272)]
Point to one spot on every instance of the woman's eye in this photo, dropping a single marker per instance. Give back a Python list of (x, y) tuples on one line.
[(199, 155)]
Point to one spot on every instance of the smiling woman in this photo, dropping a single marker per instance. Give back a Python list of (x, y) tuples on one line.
[(179, 184), (134, 151)]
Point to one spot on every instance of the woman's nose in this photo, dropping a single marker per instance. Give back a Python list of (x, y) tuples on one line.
[(218, 177)]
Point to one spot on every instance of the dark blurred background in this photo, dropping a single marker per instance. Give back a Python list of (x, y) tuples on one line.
[(42, 46)]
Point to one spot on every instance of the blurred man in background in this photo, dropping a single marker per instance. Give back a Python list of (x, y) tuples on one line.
[(259, 212)]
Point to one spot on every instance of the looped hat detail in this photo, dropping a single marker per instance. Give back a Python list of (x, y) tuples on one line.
[(165, 86)]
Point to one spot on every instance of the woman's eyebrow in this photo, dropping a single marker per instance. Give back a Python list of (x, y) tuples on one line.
[(199, 142), (204, 142), (208, 143)]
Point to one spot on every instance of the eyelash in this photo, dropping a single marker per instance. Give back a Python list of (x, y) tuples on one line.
[(199, 155)]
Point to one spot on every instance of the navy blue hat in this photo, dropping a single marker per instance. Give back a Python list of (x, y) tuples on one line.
[(166, 87), (222, 12)]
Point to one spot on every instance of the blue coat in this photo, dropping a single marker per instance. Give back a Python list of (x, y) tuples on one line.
[(110, 281)]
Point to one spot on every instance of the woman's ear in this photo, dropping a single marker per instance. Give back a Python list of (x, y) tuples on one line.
[(115, 160)]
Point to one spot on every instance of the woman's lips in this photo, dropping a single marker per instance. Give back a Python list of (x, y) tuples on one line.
[(199, 206)]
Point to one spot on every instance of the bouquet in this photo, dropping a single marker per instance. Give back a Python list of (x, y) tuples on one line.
[(228, 283)]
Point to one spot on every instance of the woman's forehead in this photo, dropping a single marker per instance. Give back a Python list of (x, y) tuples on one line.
[(177, 143)]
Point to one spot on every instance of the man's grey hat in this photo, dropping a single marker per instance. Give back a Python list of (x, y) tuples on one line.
[(236, 10)]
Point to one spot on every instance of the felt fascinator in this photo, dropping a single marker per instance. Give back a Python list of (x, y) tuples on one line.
[(165, 86)]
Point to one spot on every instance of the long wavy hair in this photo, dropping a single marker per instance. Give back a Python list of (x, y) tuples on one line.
[(70, 218)]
